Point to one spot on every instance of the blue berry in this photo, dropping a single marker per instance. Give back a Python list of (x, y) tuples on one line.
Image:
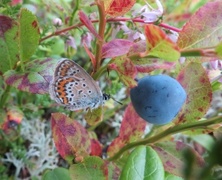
[(158, 99)]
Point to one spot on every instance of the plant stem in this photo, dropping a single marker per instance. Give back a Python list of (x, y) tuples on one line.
[(102, 25), (61, 31), (74, 12), (100, 72), (207, 52), (138, 20), (172, 130)]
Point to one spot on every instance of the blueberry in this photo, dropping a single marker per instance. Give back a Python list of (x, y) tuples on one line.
[(158, 99)]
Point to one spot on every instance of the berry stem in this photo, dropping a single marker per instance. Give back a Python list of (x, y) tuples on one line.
[(172, 130)]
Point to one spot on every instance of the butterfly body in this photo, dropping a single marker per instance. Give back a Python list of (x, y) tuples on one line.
[(74, 88)]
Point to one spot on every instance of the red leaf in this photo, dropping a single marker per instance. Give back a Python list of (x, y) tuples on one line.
[(70, 138), (85, 20), (116, 47), (15, 2), (118, 7), (96, 148), (132, 128)]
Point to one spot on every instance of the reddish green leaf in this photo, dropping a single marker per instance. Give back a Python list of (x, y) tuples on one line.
[(204, 28), (116, 47), (143, 163), (86, 21), (136, 48), (118, 7), (28, 34), (132, 128), (126, 71), (159, 44), (71, 139), (146, 65), (195, 81), (154, 66), (9, 53), (35, 79), (94, 168), (171, 154), (94, 116)]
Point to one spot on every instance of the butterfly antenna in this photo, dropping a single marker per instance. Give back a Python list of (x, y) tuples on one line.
[(108, 96)]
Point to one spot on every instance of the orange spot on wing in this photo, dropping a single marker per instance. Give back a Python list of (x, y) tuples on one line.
[(62, 90)]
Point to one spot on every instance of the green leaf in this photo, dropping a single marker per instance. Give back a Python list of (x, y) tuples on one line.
[(94, 168), (143, 163), (9, 51), (216, 85), (205, 140), (218, 50), (169, 176), (58, 173), (29, 34), (196, 83)]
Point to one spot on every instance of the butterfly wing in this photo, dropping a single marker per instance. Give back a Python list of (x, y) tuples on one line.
[(74, 88)]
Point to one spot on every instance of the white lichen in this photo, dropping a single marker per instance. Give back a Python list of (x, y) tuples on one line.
[(41, 153)]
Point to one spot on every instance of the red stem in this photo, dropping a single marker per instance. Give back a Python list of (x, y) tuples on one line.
[(138, 20), (102, 25)]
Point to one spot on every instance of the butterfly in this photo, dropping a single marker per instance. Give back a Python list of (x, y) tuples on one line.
[(74, 88)]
